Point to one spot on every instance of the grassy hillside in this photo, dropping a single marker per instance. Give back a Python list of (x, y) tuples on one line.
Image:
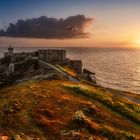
[(45, 109)]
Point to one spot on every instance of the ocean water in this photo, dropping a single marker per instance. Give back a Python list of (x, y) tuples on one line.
[(114, 67)]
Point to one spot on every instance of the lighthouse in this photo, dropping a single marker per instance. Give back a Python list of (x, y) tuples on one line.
[(10, 50)]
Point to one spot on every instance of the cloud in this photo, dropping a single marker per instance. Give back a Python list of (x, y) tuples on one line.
[(52, 28)]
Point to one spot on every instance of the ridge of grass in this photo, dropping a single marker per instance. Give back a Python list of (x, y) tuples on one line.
[(122, 106)]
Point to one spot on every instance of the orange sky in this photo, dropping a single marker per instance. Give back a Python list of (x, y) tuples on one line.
[(116, 23)]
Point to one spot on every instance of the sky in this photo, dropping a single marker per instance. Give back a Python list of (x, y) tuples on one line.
[(115, 23)]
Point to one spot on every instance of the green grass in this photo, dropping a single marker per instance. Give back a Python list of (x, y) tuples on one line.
[(128, 109)]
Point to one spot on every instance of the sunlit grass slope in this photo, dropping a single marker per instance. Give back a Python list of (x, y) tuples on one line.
[(45, 108)]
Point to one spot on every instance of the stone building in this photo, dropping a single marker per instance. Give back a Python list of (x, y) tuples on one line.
[(1, 67), (89, 76), (11, 67), (52, 55), (76, 65)]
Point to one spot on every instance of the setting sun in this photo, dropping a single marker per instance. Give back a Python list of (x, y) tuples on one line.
[(137, 41)]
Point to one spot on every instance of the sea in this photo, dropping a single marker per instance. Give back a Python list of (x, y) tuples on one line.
[(117, 68)]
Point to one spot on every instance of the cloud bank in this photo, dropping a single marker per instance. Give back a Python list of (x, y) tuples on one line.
[(51, 28)]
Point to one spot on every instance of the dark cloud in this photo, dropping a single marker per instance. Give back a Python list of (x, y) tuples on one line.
[(44, 27)]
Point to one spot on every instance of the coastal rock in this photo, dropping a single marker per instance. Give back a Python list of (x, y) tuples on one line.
[(79, 117), (4, 138)]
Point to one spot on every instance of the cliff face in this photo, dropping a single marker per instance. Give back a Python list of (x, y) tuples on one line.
[(61, 109)]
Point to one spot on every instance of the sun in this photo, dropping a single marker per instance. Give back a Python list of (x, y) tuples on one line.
[(136, 42)]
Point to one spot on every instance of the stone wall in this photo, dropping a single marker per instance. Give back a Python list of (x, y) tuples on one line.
[(76, 65), (52, 55)]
